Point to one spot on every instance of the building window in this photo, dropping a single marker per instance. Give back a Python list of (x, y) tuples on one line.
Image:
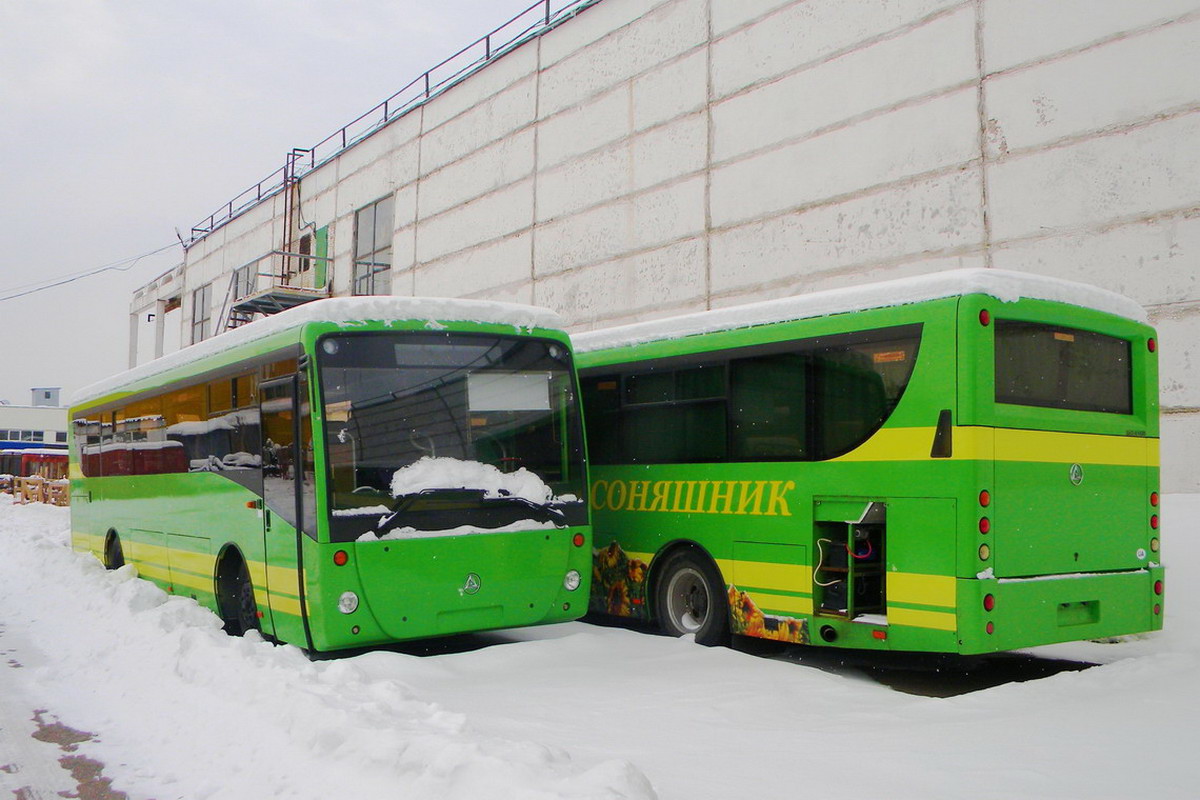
[(245, 281), (373, 248), (201, 312), (60, 436)]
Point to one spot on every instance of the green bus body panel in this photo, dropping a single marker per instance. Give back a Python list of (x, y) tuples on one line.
[(174, 527), (1064, 561), (418, 588)]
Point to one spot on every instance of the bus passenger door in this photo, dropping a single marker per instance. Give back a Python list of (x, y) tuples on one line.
[(288, 497)]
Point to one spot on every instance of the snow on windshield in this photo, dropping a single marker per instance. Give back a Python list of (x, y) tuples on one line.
[(453, 473)]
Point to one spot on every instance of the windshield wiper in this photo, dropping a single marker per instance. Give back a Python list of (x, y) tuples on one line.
[(444, 509)]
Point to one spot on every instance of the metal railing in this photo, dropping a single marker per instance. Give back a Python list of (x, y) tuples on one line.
[(537, 19)]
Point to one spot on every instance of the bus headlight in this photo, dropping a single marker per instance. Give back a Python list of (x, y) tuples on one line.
[(571, 580), (348, 603)]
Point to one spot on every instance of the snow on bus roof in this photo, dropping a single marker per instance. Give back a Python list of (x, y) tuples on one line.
[(1004, 285), (433, 310)]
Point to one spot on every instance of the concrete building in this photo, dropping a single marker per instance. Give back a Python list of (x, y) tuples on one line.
[(627, 159), (42, 423)]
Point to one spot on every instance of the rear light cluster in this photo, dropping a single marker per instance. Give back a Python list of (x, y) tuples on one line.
[(1154, 522), (985, 552), (985, 524)]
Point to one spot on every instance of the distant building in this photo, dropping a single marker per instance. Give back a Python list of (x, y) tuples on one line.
[(42, 423), (620, 160)]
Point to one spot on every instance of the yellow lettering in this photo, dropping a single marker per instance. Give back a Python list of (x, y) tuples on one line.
[(637, 495), (614, 503), (717, 496), (597, 503), (658, 502), (698, 506), (751, 496), (777, 504), (684, 502)]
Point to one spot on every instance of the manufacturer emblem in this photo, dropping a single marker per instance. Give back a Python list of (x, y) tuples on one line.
[(1076, 474), (472, 584)]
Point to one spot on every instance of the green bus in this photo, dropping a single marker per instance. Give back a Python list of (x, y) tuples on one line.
[(350, 472), (964, 462)]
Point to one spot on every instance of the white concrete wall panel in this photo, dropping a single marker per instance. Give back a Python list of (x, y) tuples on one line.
[(1020, 31), (679, 87), (477, 270), (938, 55), (802, 33), (1122, 176), (909, 141), (583, 182), (917, 219), (602, 120), (666, 278), (490, 168), (1152, 261), (640, 222), (482, 125), (1109, 85), (489, 217), (668, 152), (511, 69), (1178, 331), (592, 25), (660, 35), (1179, 445)]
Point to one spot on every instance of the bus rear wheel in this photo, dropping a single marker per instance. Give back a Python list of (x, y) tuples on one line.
[(690, 599), (114, 556)]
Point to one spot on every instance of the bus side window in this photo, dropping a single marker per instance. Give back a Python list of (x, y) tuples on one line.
[(767, 407)]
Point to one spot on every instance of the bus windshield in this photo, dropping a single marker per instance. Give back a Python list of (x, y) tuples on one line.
[(482, 408)]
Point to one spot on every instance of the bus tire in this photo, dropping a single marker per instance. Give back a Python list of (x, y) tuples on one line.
[(239, 610), (690, 599), (114, 556)]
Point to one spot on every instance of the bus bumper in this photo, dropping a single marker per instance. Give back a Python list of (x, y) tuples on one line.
[(1026, 612)]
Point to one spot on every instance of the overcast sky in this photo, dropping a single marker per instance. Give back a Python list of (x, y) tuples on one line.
[(122, 120)]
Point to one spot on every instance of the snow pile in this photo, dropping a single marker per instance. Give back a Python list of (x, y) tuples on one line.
[(452, 473), (462, 530), (1004, 285), (184, 711)]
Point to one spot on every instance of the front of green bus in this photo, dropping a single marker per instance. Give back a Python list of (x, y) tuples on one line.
[(1059, 404), (455, 494)]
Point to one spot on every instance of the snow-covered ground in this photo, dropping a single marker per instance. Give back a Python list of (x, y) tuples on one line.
[(180, 710)]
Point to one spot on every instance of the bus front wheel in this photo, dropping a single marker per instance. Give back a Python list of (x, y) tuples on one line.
[(691, 599), (238, 607), (114, 557)]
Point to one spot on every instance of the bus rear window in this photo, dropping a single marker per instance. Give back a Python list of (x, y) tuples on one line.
[(1056, 367)]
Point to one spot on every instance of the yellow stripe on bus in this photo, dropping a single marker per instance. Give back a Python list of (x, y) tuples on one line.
[(921, 590), (936, 620), (782, 602), (763, 575), (1005, 444)]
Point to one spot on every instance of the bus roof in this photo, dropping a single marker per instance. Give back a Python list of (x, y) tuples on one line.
[(1004, 285), (432, 310)]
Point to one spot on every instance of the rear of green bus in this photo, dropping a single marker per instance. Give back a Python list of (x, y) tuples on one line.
[(1058, 409), (451, 484)]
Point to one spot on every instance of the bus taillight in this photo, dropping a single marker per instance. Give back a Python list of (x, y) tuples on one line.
[(1151, 344), (985, 498), (985, 317), (1154, 499), (989, 602), (985, 524), (341, 557), (1158, 587), (577, 540), (1154, 521)]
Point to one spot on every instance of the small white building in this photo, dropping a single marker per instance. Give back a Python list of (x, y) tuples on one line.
[(42, 423)]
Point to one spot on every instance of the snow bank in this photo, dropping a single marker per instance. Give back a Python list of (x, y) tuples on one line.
[(453, 473), (1004, 285), (431, 311), (184, 711)]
